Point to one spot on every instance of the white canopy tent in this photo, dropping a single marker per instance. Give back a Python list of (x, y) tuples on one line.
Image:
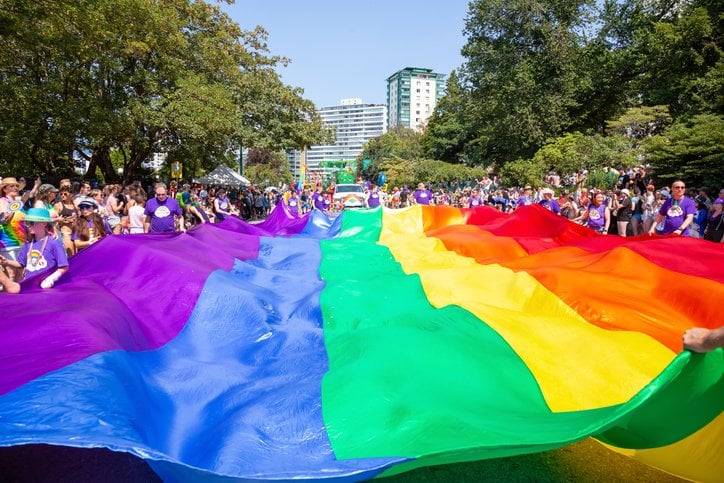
[(223, 175)]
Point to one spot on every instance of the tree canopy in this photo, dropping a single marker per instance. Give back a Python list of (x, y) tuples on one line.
[(571, 84), (85, 79)]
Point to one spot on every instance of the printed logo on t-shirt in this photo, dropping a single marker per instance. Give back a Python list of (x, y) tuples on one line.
[(35, 261), (423, 195), (224, 205), (675, 210), (162, 212), (292, 203), (594, 215), (14, 206)]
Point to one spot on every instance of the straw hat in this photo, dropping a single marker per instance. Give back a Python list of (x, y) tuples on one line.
[(8, 181)]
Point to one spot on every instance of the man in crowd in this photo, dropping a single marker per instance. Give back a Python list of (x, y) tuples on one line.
[(162, 212), (677, 212), (422, 195)]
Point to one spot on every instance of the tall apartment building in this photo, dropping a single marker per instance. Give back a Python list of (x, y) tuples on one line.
[(355, 124), (412, 94)]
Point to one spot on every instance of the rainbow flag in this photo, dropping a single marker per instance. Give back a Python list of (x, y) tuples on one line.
[(369, 344)]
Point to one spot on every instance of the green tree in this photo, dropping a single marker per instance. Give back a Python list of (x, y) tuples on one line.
[(267, 168), (679, 59), (398, 143), (448, 136), (524, 70), (521, 172), (87, 78), (691, 150), (641, 122)]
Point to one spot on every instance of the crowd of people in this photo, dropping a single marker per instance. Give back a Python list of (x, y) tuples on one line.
[(43, 225)]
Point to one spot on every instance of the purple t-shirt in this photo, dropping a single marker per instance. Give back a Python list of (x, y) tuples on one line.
[(675, 212), (162, 214), (551, 205), (596, 217), (525, 200), (293, 203), (318, 199), (422, 197), (36, 263), (374, 200), (475, 201)]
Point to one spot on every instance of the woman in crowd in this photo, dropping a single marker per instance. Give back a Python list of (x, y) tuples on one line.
[(90, 226), (135, 214), (222, 205), (622, 205), (46, 199), (715, 227), (597, 216), (43, 255), (67, 215), (114, 209)]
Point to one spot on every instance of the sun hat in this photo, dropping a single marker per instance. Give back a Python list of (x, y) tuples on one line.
[(626, 192), (650, 187), (546, 191), (527, 187), (38, 214), (719, 201), (46, 188), (9, 181)]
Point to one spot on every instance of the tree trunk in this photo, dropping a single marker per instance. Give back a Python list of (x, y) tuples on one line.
[(101, 159)]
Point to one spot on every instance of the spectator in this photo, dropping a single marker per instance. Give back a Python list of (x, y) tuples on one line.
[(715, 227), (548, 202), (373, 197), (136, 214), (475, 200), (67, 216), (700, 220), (162, 212), (597, 216), (42, 255), (113, 207), (422, 195), (527, 198), (90, 225), (622, 205), (222, 205), (677, 213)]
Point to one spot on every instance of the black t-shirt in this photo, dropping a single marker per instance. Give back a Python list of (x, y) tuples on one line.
[(624, 210)]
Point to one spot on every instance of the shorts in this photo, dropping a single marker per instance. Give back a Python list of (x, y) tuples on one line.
[(114, 220)]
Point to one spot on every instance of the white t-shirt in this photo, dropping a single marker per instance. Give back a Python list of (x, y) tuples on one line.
[(135, 218)]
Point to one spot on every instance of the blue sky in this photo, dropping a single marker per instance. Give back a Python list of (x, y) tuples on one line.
[(341, 49)]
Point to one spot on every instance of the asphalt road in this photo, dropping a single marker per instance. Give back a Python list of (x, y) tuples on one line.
[(586, 461)]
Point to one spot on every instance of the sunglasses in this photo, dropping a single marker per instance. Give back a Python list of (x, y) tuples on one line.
[(86, 207), (678, 187), (31, 224)]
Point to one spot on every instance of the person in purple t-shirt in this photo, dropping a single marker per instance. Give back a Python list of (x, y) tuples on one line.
[(677, 213), (373, 197), (548, 202), (527, 198), (318, 199), (161, 212), (422, 196), (475, 200), (293, 202)]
